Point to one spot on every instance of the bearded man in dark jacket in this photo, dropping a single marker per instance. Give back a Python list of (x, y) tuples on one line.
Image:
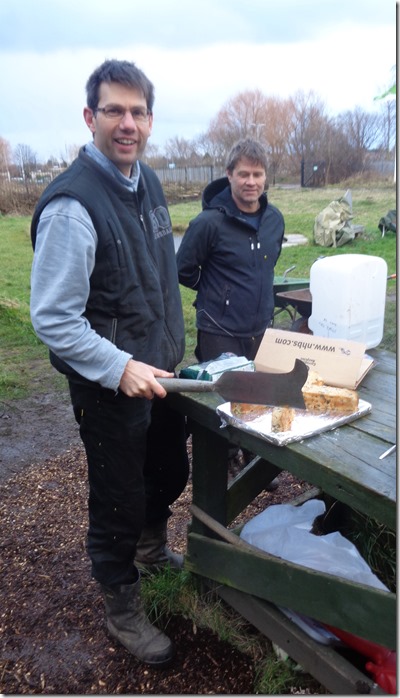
[(228, 255)]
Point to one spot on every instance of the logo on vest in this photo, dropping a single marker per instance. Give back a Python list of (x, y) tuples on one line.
[(161, 222)]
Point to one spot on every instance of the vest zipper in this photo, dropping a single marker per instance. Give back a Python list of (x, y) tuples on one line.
[(114, 324)]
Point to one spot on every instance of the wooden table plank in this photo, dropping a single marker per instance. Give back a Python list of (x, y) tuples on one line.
[(345, 475), (321, 661), (361, 610), (345, 465), (385, 360)]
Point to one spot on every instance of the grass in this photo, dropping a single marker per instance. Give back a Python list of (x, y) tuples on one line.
[(300, 207), (181, 214), (377, 545), (18, 339), (173, 592), (21, 352)]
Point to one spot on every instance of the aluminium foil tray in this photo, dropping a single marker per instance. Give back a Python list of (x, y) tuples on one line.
[(304, 424)]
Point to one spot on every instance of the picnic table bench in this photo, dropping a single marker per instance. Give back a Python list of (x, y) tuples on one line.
[(343, 464)]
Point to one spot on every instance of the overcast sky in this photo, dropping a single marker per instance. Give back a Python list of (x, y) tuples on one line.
[(198, 54)]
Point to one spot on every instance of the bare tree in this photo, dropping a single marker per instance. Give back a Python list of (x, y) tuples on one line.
[(69, 154), (179, 150), (275, 133), (387, 121), (241, 117), (154, 157), (308, 126), (340, 157), (361, 128), (5, 157), (25, 158), (211, 147)]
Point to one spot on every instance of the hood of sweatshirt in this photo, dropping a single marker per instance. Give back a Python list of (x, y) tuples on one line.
[(218, 194)]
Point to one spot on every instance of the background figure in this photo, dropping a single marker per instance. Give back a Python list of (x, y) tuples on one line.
[(105, 299), (228, 255)]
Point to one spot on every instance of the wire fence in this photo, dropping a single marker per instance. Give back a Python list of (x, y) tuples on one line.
[(201, 174)]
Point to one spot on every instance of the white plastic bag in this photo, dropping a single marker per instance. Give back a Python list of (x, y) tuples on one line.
[(284, 530)]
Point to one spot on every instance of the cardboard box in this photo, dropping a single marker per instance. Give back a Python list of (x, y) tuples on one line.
[(339, 362), (211, 370)]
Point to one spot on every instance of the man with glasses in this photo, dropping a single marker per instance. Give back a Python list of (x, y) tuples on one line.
[(105, 300)]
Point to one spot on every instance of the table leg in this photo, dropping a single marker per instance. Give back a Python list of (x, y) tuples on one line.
[(209, 473)]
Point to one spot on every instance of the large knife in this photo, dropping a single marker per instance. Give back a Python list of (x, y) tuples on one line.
[(256, 387)]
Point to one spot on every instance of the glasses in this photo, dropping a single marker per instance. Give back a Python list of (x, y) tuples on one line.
[(139, 114)]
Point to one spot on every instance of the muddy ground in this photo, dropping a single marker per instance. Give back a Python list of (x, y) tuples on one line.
[(52, 634)]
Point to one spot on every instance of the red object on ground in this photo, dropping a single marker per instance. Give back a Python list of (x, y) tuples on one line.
[(384, 662)]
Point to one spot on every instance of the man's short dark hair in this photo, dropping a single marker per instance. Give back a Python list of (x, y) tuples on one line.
[(122, 72), (247, 148)]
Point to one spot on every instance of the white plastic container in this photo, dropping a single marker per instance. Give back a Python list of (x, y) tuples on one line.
[(348, 298)]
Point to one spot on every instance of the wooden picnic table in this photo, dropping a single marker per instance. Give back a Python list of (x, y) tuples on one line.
[(343, 464)]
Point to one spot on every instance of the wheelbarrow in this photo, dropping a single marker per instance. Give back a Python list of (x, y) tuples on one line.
[(284, 283), (284, 288), (298, 304)]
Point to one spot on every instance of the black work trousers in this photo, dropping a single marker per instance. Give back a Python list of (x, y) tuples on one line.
[(137, 467), (211, 346)]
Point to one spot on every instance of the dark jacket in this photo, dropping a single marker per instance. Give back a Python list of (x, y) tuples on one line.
[(134, 298), (230, 264)]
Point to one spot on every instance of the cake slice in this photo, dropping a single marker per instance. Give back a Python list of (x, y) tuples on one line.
[(247, 410), (319, 399), (282, 418)]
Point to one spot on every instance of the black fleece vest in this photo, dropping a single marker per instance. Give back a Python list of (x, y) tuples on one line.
[(134, 298)]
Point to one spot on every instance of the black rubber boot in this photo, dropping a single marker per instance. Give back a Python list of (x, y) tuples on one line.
[(128, 623), (152, 553)]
